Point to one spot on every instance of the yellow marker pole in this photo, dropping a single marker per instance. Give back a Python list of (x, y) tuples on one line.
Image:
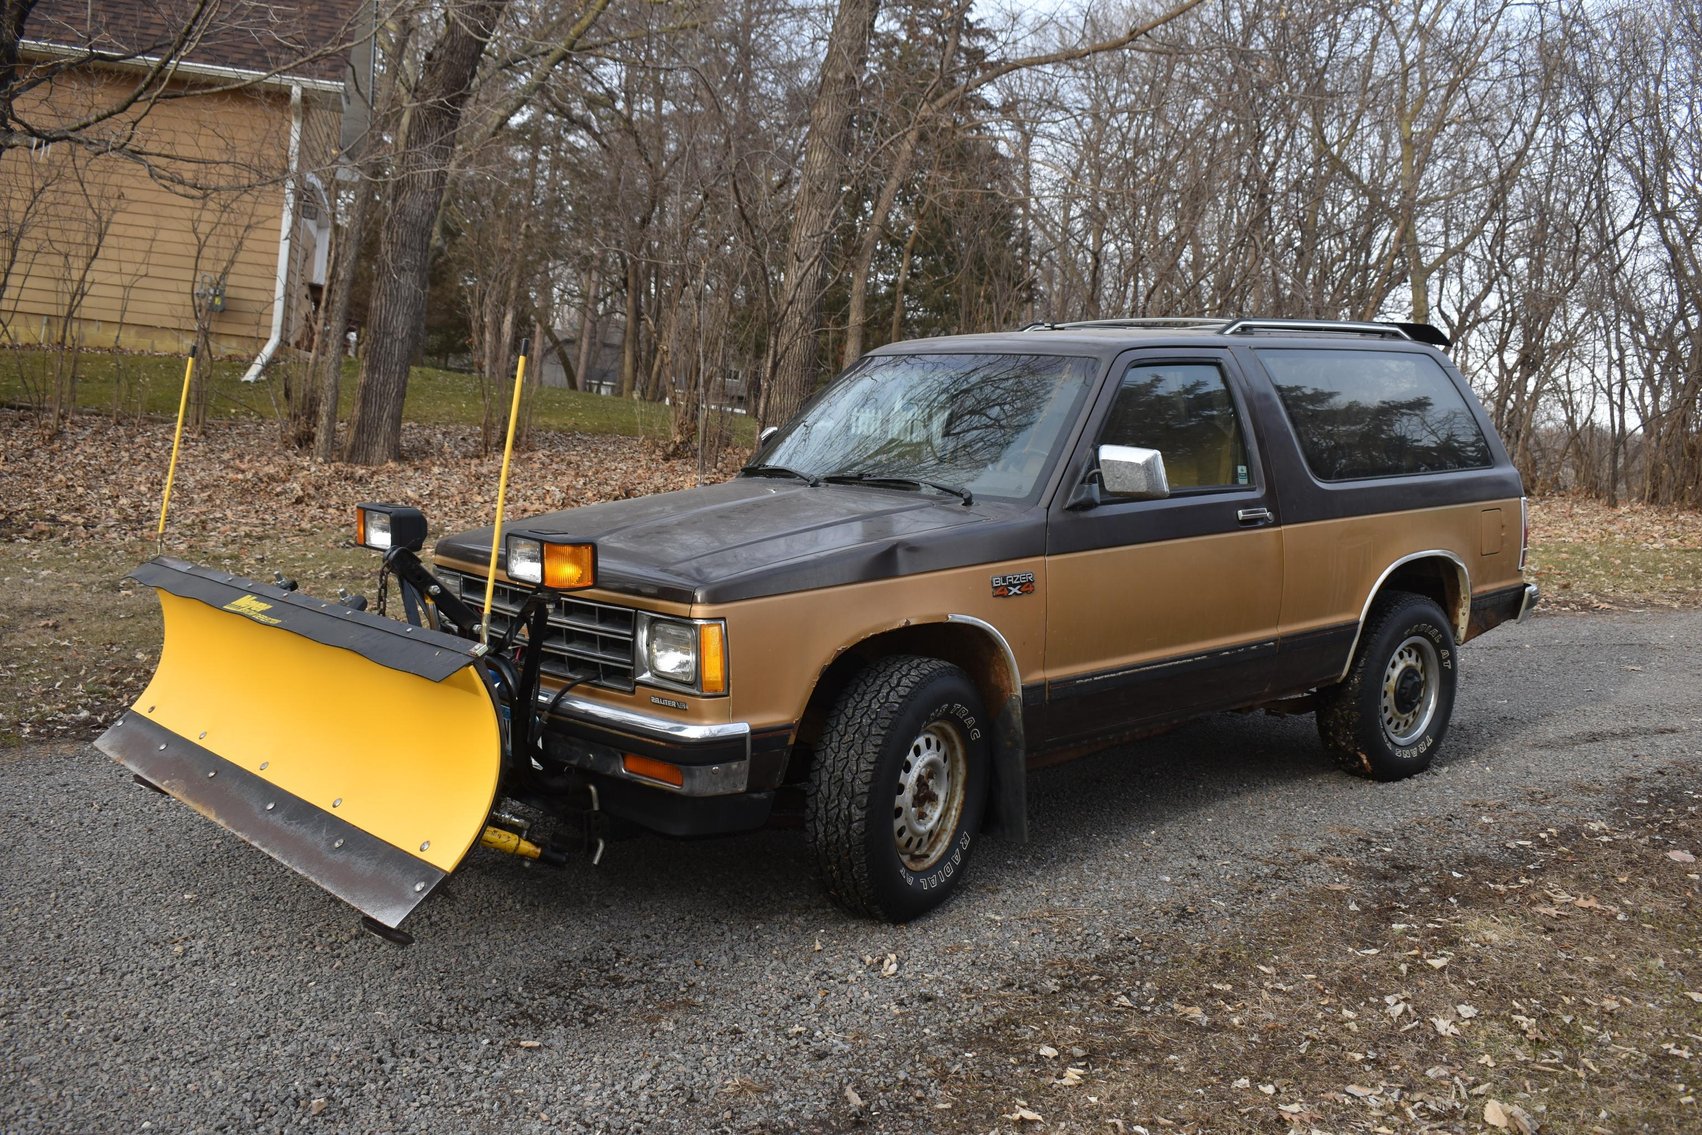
[(501, 492), (176, 443)]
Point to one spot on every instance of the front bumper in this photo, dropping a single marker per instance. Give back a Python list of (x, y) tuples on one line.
[(716, 759), (728, 770)]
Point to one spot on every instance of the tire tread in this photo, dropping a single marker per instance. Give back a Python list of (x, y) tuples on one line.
[(846, 758), (1338, 712)]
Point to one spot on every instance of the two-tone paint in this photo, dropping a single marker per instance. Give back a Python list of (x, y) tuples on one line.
[(1129, 615)]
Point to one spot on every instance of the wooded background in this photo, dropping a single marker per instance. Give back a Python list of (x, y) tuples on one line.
[(755, 192)]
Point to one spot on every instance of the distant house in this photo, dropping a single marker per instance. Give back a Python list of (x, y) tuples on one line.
[(599, 361), (203, 208), (601, 358)]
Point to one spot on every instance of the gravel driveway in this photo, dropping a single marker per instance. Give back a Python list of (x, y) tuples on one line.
[(158, 975)]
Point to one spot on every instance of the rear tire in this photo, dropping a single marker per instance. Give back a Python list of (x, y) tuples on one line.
[(898, 787), (1387, 718)]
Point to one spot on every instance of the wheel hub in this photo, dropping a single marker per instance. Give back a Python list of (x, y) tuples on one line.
[(929, 796), (1409, 688), (1410, 683)]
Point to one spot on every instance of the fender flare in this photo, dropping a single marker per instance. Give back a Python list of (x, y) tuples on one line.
[(1010, 750), (1460, 617)]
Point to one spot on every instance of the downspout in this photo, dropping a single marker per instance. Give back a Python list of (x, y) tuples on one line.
[(286, 241)]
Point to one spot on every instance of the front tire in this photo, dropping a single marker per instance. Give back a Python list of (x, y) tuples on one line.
[(898, 787), (1388, 717)]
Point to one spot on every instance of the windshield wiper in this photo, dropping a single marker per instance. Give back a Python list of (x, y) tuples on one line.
[(766, 470), (882, 480)]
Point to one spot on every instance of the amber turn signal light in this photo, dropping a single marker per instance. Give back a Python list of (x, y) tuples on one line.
[(712, 657), (652, 769), (553, 564)]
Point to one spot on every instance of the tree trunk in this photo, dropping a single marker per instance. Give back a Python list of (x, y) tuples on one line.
[(791, 351), (325, 367), (858, 283), (896, 332), (629, 333), (559, 348), (586, 354), (423, 153)]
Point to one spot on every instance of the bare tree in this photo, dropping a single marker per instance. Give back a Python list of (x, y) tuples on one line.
[(788, 369), (423, 153)]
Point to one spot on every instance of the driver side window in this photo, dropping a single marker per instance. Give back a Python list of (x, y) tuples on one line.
[(1184, 411)]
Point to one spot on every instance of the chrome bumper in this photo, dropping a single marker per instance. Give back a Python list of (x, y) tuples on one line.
[(723, 777)]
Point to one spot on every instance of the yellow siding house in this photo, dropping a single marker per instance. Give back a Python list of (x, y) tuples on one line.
[(200, 206)]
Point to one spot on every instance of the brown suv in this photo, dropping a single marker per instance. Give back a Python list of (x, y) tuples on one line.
[(968, 553)]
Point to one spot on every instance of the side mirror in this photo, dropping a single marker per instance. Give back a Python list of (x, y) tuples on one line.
[(1133, 473), (762, 438)]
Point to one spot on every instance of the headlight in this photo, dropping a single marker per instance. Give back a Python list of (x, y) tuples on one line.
[(670, 652), (556, 565), (385, 526), (685, 654)]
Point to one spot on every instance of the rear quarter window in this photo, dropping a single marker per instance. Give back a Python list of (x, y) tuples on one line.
[(1369, 413)]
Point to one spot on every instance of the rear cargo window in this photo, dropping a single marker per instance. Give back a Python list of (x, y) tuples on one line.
[(1375, 413)]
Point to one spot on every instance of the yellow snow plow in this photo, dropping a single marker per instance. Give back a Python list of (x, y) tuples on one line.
[(364, 752), (361, 751)]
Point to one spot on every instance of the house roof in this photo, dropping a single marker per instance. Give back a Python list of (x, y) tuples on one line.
[(307, 39)]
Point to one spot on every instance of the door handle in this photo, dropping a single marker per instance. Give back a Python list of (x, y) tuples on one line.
[(1254, 516)]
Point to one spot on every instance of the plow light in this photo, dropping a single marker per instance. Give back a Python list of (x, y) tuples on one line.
[(382, 527), (555, 565)]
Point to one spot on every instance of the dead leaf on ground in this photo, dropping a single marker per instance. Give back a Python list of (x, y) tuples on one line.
[(1508, 1116), (1192, 1013)]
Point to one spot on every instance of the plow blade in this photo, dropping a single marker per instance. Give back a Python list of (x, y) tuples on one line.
[(360, 751)]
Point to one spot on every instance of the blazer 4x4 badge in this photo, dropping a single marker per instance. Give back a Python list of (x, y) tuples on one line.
[(1010, 586)]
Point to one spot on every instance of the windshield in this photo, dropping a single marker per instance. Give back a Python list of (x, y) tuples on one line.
[(986, 424)]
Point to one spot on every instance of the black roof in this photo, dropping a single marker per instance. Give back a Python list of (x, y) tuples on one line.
[(1098, 336), (296, 38)]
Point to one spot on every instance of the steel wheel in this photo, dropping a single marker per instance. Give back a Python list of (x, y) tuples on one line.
[(1409, 694), (1387, 717), (930, 795), (897, 787)]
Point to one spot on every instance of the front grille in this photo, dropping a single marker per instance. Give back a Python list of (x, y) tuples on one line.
[(586, 642)]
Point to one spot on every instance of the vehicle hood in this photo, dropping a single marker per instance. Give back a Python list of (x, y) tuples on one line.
[(758, 536)]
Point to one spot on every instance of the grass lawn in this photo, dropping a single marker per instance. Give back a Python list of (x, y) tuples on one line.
[(1587, 556), (136, 384)]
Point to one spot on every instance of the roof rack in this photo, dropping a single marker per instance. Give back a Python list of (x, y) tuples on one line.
[(1411, 332), (1187, 323), (1319, 326)]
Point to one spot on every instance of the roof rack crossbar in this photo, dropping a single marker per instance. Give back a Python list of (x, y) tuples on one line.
[(1320, 326)]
